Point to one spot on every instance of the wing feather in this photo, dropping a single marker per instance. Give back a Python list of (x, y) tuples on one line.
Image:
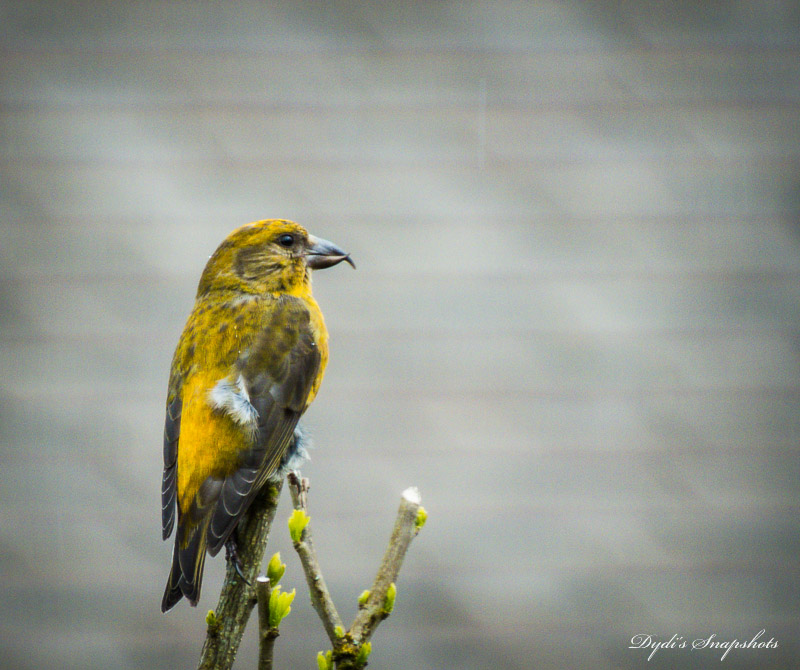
[(172, 429), (279, 371)]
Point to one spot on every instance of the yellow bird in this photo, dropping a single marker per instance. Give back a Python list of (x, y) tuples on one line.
[(248, 364)]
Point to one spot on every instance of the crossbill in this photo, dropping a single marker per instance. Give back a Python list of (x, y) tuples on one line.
[(248, 364)]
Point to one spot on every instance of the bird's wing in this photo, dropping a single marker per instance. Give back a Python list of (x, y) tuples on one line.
[(172, 429), (277, 373)]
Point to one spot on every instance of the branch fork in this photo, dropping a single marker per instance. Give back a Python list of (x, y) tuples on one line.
[(349, 646), (241, 593)]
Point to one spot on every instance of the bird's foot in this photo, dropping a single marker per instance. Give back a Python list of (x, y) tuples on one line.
[(232, 556)]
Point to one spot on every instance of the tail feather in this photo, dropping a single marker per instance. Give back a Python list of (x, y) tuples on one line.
[(186, 575)]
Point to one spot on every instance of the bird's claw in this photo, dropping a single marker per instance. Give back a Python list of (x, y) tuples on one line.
[(232, 556)]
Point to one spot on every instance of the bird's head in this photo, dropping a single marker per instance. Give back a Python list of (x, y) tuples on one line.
[(270, 256)]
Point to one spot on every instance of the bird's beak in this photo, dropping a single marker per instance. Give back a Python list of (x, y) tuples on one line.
[(323, 254)]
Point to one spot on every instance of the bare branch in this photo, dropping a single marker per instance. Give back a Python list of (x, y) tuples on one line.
[(320, 596), (351, 648), (266, 633), (405, 529), (237, 599)]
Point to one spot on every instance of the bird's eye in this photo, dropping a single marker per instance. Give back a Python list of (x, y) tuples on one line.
[(286, 241)]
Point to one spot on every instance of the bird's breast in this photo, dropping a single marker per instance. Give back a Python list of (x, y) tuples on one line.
[(319, 334)]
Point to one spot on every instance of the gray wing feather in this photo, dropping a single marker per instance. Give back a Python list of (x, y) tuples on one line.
[(172, 429), (278, 387)]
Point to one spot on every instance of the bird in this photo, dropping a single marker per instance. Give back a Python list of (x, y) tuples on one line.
[(248, 364)]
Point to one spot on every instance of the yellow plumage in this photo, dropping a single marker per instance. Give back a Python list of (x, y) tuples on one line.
[(249, 362)]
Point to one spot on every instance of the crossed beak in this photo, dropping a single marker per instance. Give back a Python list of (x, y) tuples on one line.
[(322, 254)]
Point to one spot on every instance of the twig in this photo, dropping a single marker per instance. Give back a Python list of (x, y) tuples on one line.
[(320, 596), (266, 633), (351, 648), (237, 599), (405, 529)]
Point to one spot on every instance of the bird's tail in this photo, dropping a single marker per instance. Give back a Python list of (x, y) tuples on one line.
[(186, 575)]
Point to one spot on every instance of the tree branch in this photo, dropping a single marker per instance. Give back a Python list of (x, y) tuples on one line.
[(320, 596), (405, 529), (237, 599), (266, 633), (351, 648)]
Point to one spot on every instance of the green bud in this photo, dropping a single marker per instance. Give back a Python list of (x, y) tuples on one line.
[(391, 594), (275, 569), (363, 653), (362, 599), (211, 618), (324, 660), (422, 517), (279, 606), (338, 631), (297, 523)]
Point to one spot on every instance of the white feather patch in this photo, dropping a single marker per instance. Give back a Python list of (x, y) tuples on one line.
[(232, 398)]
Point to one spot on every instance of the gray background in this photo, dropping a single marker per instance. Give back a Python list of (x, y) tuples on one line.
[(575, 322)]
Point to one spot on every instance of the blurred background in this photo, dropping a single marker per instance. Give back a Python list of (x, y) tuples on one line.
[(575, 323)]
